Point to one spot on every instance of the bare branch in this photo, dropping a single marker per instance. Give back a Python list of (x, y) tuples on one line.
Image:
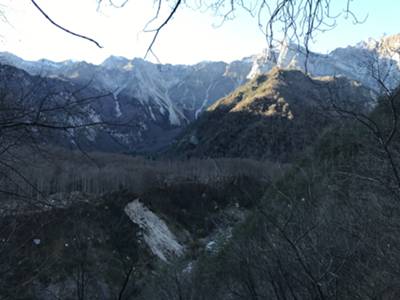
[(63, 28), (158, 29)]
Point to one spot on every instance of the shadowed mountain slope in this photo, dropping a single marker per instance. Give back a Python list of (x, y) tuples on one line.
[(272, 116)]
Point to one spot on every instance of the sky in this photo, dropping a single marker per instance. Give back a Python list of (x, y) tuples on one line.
[(192, 36)]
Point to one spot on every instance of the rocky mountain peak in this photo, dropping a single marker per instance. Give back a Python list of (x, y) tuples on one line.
[(114, 62)]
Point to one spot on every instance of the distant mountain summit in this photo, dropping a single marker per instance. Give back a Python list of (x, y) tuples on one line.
[(367, 62)]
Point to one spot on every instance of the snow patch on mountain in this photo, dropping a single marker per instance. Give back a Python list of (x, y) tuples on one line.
[(205, 101), (118, 112)]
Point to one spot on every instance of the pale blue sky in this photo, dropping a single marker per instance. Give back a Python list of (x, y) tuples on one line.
[(383, 18), (190, 38)]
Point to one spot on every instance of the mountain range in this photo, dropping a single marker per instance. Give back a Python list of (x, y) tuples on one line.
[(159, 100)]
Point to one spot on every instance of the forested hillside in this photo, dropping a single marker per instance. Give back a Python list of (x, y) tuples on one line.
[(326, 229)]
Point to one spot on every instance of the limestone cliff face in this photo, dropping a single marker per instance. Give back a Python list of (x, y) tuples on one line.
[(365, 62)]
